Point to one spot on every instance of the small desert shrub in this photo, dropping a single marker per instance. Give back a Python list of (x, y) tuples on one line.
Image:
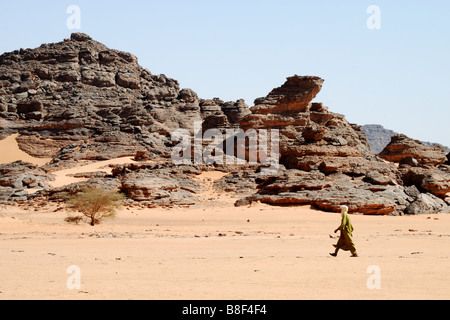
[(75, 220), (95, 204)]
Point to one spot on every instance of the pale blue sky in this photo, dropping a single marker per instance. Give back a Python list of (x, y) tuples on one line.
[(397, 76)]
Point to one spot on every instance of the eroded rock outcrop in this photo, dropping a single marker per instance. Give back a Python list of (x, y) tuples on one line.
[(420, 165), (328, 160), (18, 177), (78, 99), (329, 163), (431, 180), (312, 137), (402, 147), (160, 184)]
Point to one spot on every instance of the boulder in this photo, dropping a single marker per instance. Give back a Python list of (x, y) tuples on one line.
[(426, 204), (402, 147), (294, 96), (295, 187), (159, 184), (80, 37), (432, 180), (128, 80), (98, 78), (146, 187), (18, 176)]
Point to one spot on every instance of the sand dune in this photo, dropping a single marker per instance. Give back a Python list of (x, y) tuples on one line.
[(10, 152), (65, 177)]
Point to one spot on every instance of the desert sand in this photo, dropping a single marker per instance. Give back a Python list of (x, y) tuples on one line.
[(11, 152), (216, 251)]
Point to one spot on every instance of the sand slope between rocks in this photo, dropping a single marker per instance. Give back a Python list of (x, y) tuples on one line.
[(10, 152)]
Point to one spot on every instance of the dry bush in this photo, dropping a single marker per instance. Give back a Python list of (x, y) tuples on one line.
[(95, 203), (76, 219)]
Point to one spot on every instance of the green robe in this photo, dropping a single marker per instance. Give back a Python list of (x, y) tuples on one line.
[(345, 240)]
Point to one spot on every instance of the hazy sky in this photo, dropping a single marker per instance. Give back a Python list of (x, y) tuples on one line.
[(397, 76)]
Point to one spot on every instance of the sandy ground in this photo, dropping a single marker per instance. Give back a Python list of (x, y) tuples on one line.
[(10, 152), (216, 251), (66, 176)]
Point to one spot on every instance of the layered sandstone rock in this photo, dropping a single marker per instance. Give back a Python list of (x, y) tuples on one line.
[(421, 166), (329, 192), (379, 137), (328, 160), (160, 184), (402, 147), (432, 180), (312, 137)]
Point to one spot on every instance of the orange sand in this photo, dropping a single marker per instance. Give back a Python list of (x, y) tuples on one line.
[(10, 152), (217, 251)]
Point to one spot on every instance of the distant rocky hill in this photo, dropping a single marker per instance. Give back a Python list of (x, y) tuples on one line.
[(80, 100), (379, 137)]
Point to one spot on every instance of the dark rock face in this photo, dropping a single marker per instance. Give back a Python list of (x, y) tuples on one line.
[(81, 92), (426, 202), (16, 178), (294, 96), (378, 137)]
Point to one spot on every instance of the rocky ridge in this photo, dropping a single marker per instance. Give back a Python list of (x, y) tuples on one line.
[(79, 100)]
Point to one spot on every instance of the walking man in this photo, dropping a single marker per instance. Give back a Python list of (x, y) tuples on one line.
[(345, 240)]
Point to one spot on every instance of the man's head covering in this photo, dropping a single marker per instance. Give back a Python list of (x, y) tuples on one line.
[(344, 210)]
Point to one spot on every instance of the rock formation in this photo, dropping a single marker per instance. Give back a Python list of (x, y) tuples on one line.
[(402, 147), (160, 184), (79, 100), (328, 160), (18, 177), (312, 138)]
